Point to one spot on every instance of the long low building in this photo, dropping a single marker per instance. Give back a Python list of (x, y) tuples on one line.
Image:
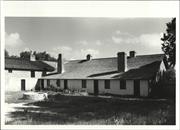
[(132, 75)]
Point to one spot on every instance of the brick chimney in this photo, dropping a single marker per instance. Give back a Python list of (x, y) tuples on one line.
[(132, 54), (121, 61), (88, 57), (59, 64)]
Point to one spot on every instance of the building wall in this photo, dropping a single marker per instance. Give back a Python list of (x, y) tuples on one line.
[(72, 84), (13, 80), (75, 85), (114, 86), (144, 88), (45, 84), (90, 84), (53, 82), (62, 84)]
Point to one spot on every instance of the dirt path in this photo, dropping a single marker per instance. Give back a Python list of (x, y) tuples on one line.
[(15, 107)]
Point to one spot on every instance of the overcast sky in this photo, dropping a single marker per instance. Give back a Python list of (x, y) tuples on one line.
[(76, 37)]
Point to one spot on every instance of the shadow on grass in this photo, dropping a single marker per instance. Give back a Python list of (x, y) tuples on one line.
[(93, 110)]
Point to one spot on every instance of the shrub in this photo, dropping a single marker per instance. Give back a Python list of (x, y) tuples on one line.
[(53, 88)]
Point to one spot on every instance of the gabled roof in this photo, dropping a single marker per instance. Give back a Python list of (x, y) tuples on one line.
[(23, 64), (52, 64), (141, 66)]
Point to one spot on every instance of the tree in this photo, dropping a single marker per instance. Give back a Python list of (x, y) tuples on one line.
[(43, 56), (169, 43), (14, 56), (6, 53), (38, 55), (25, 54)]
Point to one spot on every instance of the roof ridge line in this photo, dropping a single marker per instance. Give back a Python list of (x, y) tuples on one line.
[(115, 57), (16, 58)]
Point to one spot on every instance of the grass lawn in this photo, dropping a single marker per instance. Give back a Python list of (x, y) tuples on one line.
[(77, 110)]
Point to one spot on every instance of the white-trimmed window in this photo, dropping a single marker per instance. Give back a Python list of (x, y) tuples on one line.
[(107, 84), (48, 82), (58, 82), (83, 83), (122, 84)]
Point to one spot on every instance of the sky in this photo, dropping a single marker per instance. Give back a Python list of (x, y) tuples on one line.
[(76, 37)]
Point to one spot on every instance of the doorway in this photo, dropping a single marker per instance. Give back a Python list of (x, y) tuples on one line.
[(65, 84), (23, 85), (136, 88), (96, 89), (42, 84)]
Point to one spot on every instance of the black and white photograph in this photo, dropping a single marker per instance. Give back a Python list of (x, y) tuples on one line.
[(110, 71)]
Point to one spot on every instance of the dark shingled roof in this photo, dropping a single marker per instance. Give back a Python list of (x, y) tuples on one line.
[(53, 64), (139, 67), (22, 64)]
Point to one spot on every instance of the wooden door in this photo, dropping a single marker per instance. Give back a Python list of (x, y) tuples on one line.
[(96, 89), (136, 88), (23, 85), (65, 84), (42, 84)]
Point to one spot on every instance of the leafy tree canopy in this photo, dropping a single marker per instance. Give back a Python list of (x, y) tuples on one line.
[(38, 55), (6, 53), (169, 43)]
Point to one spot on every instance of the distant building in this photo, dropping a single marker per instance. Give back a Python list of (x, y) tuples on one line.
[(122, 75), (21, 74)]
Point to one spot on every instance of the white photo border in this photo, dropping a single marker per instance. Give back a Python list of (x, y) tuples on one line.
[(120, 9)]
